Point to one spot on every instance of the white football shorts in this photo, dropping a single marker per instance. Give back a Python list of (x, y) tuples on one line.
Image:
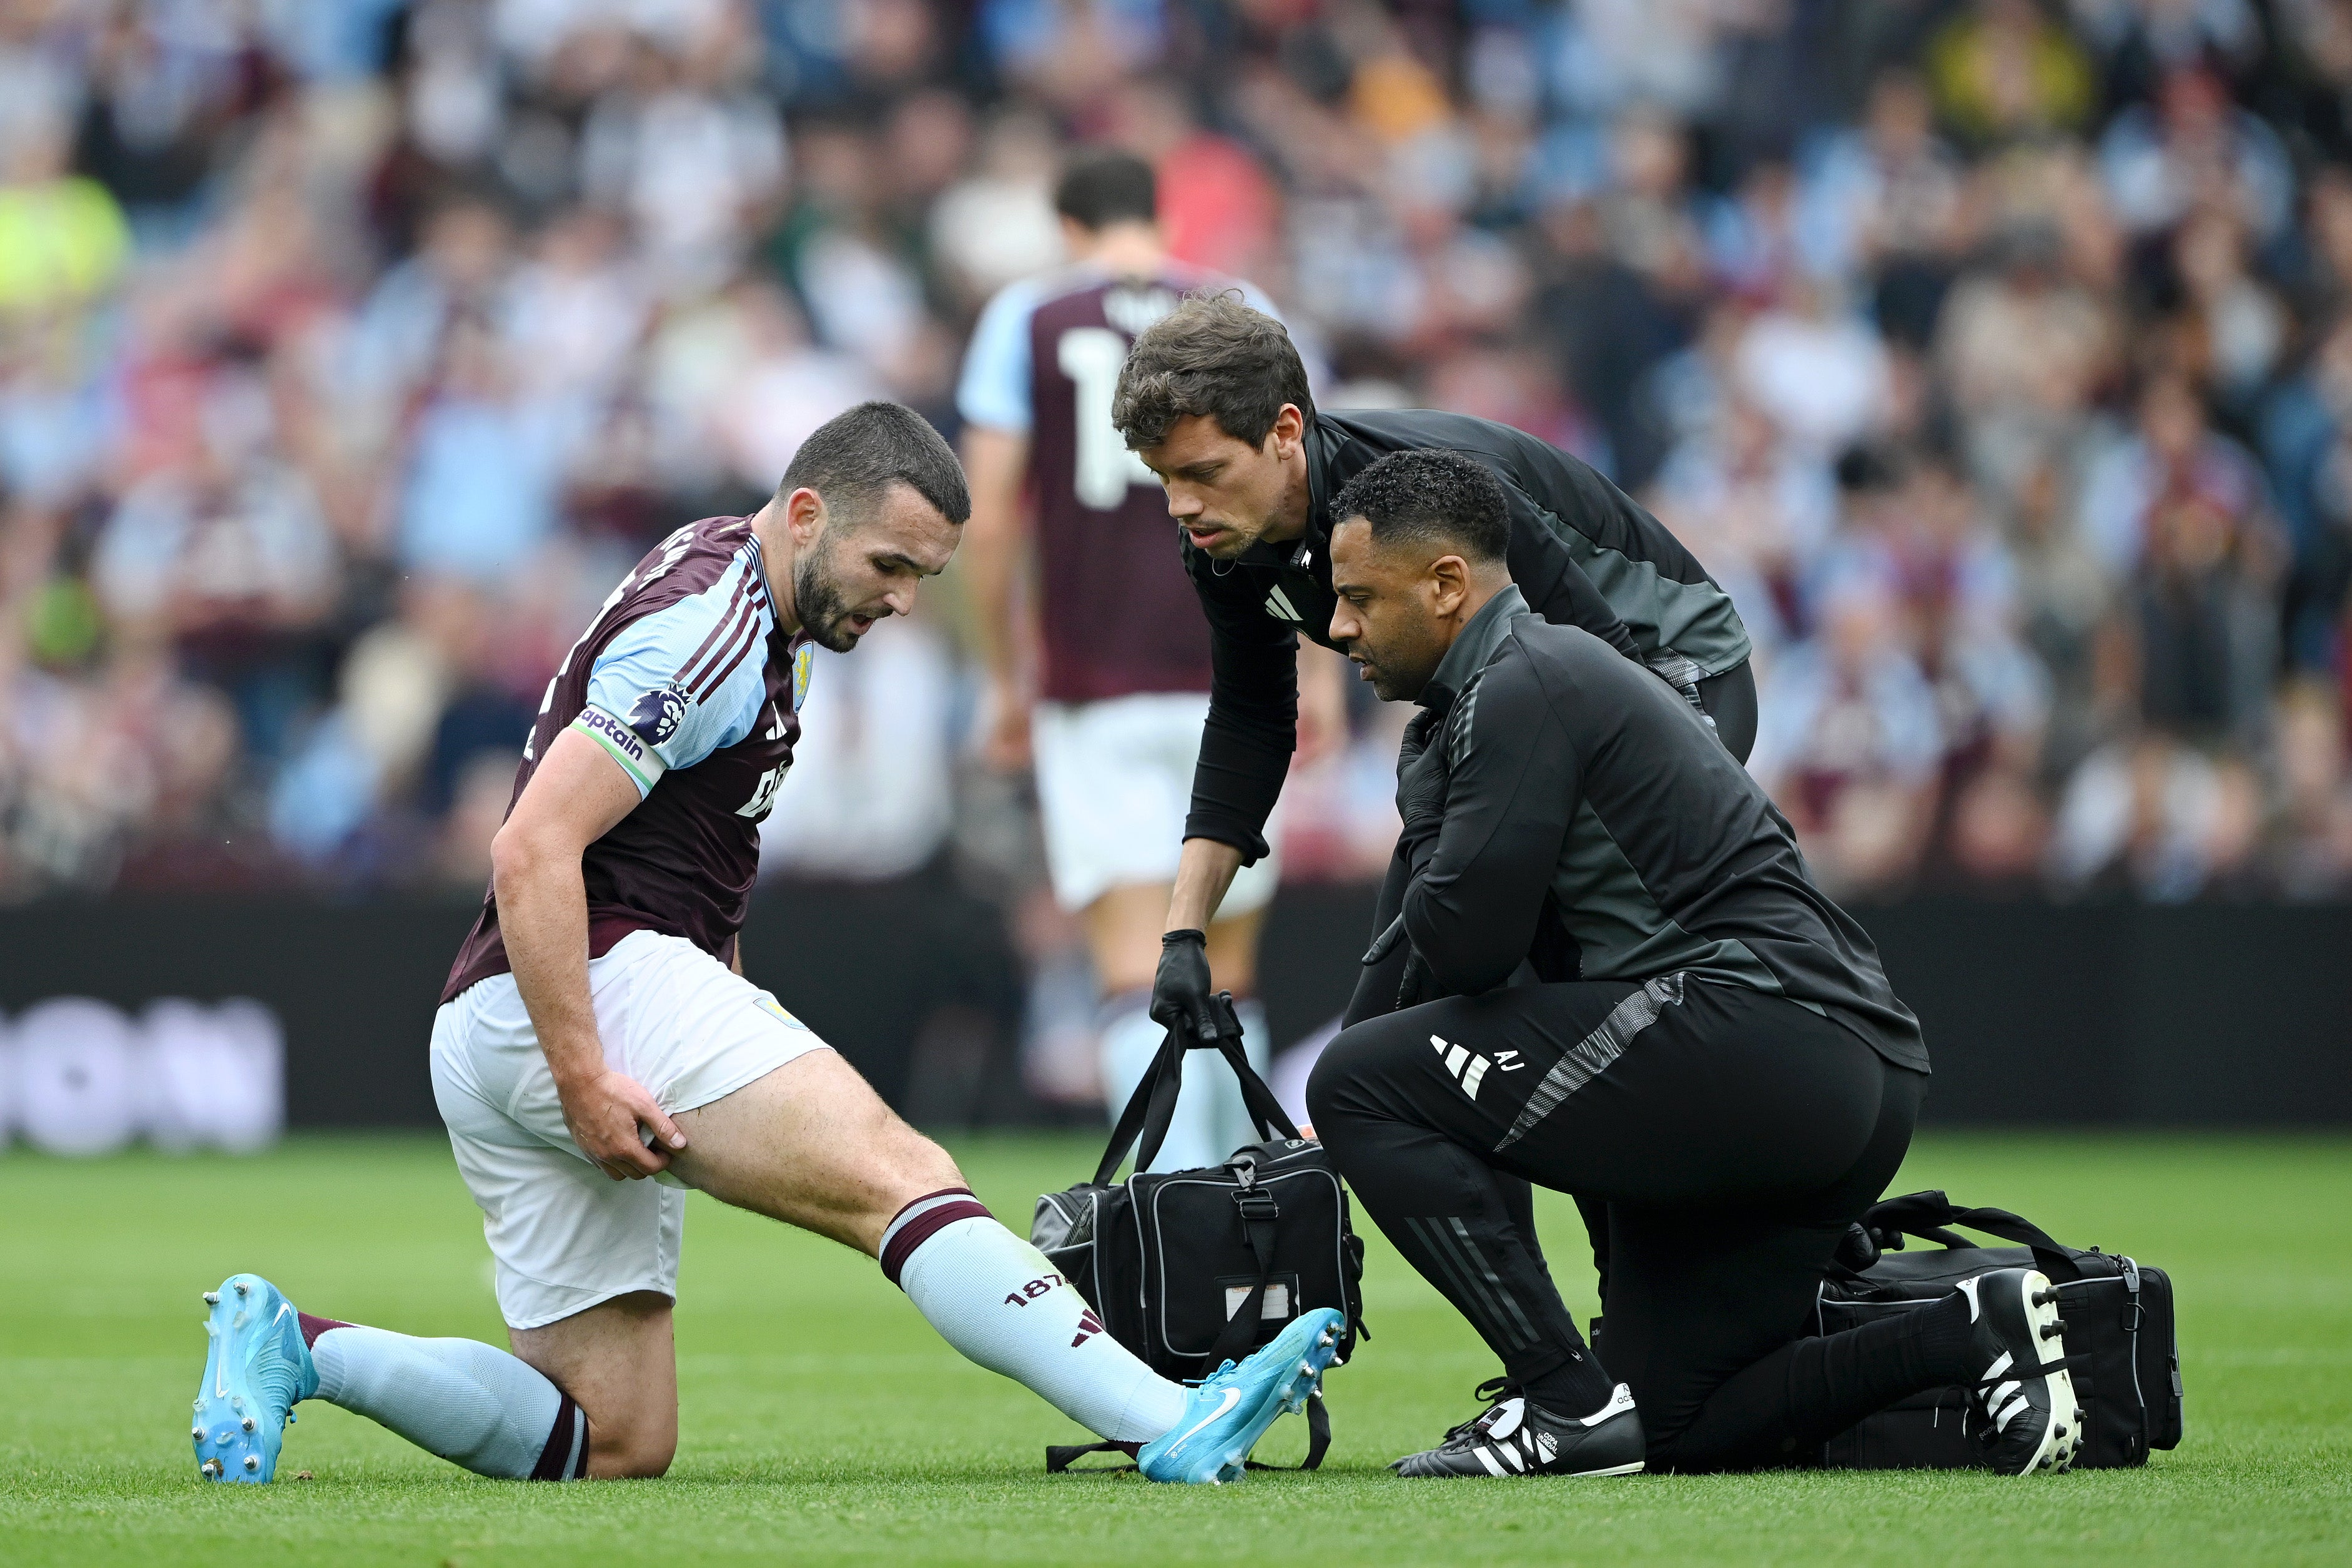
[(564, 1234), (1113, 783)]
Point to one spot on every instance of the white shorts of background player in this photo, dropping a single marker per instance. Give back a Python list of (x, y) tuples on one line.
[(565, 1236), (1113, 783)]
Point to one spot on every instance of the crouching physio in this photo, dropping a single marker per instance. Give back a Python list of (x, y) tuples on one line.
[(1611, 975), (596, 1031)]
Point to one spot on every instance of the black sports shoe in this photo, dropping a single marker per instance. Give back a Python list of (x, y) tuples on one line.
[(2031, 1418), (1516, 1438)]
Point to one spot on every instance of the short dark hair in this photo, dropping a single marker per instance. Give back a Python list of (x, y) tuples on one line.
[(1212, 355), (1101, 188), (1431, 497), (855, 456)]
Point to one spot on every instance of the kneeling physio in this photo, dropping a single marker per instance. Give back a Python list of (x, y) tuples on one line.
[(1606, 971)]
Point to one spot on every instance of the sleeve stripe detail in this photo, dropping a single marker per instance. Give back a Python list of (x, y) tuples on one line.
[(758, 573), (726, 617), (1465, 714), (619, 742), (750, 641), (714, 647), (741, 633)]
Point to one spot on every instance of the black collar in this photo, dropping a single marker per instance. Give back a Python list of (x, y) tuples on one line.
[(1315, 544), (1473, 650)]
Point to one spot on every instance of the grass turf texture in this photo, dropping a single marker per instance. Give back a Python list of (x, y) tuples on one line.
[(823, 1421)]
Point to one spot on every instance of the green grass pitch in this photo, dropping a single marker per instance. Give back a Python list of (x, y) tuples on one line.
[(823, 1422)]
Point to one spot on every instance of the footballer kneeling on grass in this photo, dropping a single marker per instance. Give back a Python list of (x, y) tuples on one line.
[(597, 1049), (1697, 1038)]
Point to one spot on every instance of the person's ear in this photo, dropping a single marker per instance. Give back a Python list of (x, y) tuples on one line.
[(803, 517), (1289, 430), (1449, 580)]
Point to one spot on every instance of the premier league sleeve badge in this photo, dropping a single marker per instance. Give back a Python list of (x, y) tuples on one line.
[(658, 713)]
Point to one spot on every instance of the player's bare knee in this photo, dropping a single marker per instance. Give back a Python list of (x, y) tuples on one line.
[(921, 1165), (620, 1452), (635, 1465), (940, 1167)]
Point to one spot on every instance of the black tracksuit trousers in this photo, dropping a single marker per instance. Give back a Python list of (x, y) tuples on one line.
[(1732, 1137)]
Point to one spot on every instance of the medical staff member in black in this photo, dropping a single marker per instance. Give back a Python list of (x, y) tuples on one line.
[(1214, 399), (1635, 995)]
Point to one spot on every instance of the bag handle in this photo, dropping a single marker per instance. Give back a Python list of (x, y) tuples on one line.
[(1929, 1215), (1153, 1106)]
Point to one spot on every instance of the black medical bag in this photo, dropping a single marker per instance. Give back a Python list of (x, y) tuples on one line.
[(2120, 1349), (1191, 1269)]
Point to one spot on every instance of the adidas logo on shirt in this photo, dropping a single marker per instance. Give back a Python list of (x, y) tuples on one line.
[(1089, 1325), (1279, 605), (1462, 1064)]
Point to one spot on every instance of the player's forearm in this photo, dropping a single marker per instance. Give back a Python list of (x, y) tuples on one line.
[(990, 571), (1202, 874), (543, 919), (1323, 678), (992, 546)]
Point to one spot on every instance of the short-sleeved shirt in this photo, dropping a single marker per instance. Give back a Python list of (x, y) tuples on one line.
[(686, 681), (1115, 614)]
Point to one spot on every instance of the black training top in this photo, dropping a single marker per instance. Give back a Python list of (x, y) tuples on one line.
[(1581, 551), (1596, 830)]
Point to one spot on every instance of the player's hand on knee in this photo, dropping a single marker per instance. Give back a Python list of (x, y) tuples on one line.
[(606, 1111)]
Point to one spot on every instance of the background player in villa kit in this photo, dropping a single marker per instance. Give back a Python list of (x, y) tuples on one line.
[(1098, 663), (595, 1030)]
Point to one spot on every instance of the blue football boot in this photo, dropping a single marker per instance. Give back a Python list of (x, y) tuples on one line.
[(255, 1371), (1230, 1410)]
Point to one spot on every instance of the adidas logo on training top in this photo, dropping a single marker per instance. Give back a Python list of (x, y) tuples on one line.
[(1279, 605), (1089, 1325), (1465, 1066)]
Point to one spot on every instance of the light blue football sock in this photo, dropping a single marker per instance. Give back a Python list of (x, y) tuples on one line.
[(471, 1403)]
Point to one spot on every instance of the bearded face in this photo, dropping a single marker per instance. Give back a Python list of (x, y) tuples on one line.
[(822, 600), (858, 570)]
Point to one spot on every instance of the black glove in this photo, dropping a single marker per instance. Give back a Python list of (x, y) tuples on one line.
[(1416, 984), (1181, 999), (1421, 777), (1415, 743)]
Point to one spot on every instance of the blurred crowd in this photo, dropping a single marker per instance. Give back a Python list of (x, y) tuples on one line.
[(1997, 355)]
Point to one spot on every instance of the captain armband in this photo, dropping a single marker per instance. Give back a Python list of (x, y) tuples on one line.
[(623, 744)]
